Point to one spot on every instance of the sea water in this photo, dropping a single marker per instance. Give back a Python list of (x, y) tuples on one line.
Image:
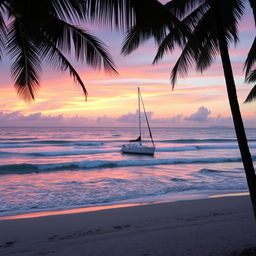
[(46, 169)]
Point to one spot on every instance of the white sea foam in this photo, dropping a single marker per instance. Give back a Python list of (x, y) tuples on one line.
[(88, 164)]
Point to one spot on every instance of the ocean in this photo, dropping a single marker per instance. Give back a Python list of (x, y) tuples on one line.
[(49, 169)]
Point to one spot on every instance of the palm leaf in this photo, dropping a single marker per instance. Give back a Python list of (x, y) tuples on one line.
[(192, 19), (137, 35), (115, 13), (134, 37), (207, 41), (251, 96), (167, 45), (2, 34), (253, 6), (195, 44), (251, 77), (228, 15), (232, 14), (251, 58), (124, 14), (73, 10), (174, 37), (203, 46), (55, 57), (26, 64), (86, 46), (184, 62), (157, 23), (180, 8), (3, 28), (207, 55)]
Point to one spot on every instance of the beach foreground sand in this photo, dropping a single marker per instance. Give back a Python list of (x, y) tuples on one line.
[(216, 226)]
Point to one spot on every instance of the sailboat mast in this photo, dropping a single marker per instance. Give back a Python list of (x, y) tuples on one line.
[(145, 113), (139, 113)]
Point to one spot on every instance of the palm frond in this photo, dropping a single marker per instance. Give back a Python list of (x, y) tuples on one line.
[(195, 45), (251, 77), (157, 23), (184, 62), (207, 41), (3, 33), (86, 46), (26, 65), (192, 19), (134, 37), (137, 35), (56, 58), (251, 96), (229, 13), (167, 45), (208, 53), (204, 40), (114, 13), (94, 51), (237, 13), (73, 10), (180, 8), (251, 58), (203, 45), (253, 6), (155, 17), (124, 14), (197, 18)]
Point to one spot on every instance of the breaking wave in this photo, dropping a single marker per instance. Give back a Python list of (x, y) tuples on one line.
[(90, 164)]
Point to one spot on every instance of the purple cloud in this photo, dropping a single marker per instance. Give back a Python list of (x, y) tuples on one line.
[(201, 115), (198, 119)]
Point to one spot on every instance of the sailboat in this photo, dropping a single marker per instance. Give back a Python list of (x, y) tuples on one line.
[(136, 146)]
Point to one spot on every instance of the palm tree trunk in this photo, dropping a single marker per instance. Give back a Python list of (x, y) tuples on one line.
[(238, 122)]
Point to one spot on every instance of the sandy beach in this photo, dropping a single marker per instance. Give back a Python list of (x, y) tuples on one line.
[(215, 226)]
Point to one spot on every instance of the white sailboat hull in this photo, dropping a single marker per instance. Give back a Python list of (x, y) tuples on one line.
[(138, 149)]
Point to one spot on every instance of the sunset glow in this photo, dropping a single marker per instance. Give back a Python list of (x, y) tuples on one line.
[(112, 96)]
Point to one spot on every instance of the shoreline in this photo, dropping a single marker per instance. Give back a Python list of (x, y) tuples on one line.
[(74, 210), (221, 226)]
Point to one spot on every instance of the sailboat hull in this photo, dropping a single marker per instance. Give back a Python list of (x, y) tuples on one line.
[(138, 149)]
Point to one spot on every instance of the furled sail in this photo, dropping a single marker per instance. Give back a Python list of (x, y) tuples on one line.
[(138, 139)]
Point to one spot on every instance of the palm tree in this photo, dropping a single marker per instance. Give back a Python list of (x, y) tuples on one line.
[(36, 31), (213, 25)]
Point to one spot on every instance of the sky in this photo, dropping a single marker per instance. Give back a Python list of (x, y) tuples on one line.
[(199, 100)]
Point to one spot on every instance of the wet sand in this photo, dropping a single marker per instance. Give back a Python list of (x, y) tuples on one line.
[(216, 226)]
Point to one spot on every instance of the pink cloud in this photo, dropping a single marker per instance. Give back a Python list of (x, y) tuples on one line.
[(200, 118), (201, 115)]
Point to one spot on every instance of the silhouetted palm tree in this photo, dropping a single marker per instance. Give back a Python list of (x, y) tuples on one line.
[(35, 31), (213, 25)]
